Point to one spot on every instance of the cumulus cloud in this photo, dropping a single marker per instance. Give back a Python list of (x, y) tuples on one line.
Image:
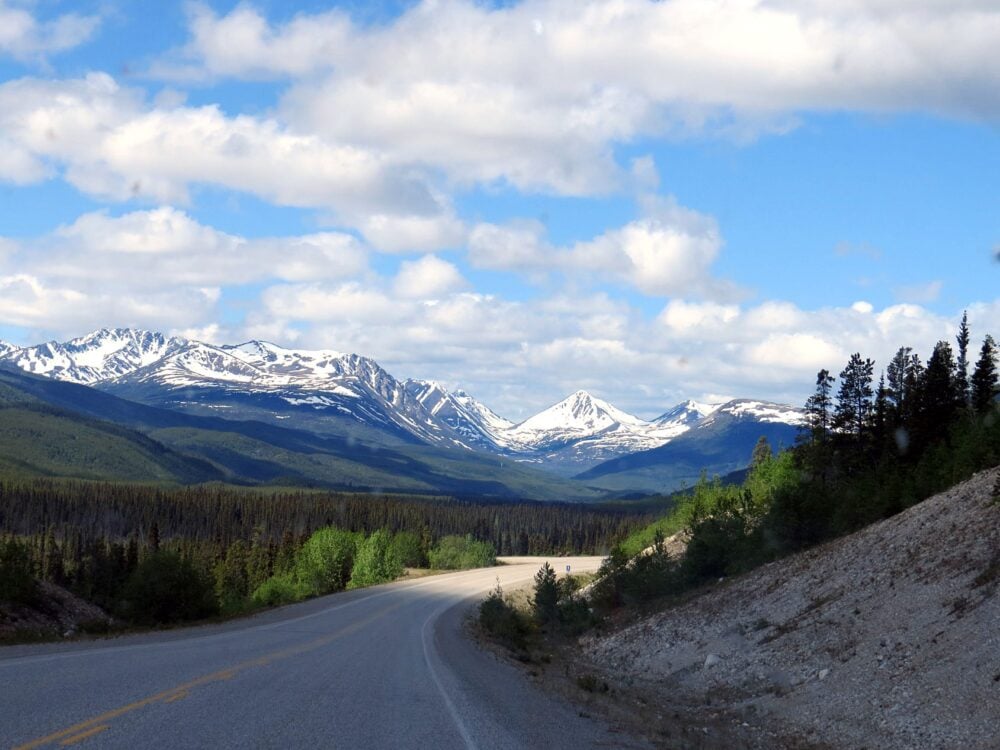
[(536, 93), (520, 355), (668, 251), (428, 278), (165, 247), (109, 142), (31, 302), (25, 38), (158, 268)]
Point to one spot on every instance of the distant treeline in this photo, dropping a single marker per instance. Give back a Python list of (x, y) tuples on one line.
[(219, 514)]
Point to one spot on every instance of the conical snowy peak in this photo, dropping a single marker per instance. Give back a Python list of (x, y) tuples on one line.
[(580, 413)]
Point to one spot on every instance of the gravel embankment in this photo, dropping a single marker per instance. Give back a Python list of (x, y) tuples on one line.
[(888, 638)]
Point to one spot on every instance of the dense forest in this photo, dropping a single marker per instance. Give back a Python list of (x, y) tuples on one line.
[(870, 450), (152, 554)]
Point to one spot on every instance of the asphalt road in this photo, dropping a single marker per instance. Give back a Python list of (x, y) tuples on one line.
[(385, 667)]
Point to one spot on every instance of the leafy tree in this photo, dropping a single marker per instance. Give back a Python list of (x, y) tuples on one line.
[(376, 561), (325, 561), (545, 602), (854, 399), (166, 588), (409, 549), (984, 377)]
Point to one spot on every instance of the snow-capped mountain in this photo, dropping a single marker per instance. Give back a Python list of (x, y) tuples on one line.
[(328, 391), (6, 348), (96, 357), (719, 443), (477, 425)]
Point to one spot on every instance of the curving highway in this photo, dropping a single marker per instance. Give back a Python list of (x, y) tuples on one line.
[(384, 667)]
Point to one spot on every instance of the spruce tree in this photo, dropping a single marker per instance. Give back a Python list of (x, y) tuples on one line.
[(818, 406), (940, 391), (962, 363), (546, 600), (854, 399), (762, 452), (984, 377)]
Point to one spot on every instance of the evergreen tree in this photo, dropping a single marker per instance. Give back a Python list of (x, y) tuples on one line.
[(898, 380), (854, 399), (984, 377), (153, 538), (818, 406), (940, 392), (546, 600), (962, 363), (231, 582), (762, 452)]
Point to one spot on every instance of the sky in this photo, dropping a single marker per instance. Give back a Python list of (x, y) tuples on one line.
[(652, 201)]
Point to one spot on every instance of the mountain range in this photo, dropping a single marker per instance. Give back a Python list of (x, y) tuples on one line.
[(335, 395)]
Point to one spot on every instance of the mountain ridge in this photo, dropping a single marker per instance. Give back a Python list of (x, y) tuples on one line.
[(339, 393)]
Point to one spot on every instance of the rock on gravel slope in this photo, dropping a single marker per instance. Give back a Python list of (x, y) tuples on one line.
[(888, 638)]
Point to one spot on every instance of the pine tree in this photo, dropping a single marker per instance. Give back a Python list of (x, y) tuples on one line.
[(854, 399), (962, 363), (940, 392), (762, 452), (897, 391), (818, 406), (546, 600), (984, 377)]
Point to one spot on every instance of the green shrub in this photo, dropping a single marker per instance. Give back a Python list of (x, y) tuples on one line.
[(409, 550), (376, 561), (17, 579), (324, 562), (277, 590), (462, 553), (502, 621), (165, 588)]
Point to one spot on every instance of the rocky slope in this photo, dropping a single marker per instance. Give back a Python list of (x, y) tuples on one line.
[(888, 638)]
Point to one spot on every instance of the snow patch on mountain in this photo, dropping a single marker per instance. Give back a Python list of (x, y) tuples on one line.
[(761, 411)]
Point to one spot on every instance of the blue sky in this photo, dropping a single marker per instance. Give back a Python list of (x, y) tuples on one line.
[(653, 201)]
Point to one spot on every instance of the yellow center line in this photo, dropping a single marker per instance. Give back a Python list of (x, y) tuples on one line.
[(81, 737), (84, 729)]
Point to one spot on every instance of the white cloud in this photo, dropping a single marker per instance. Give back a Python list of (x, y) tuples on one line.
[(111, 144), (427, 278), (25, 38), (669, 251), (165, 247), (391, 233), (31, 302), (537, 93)]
